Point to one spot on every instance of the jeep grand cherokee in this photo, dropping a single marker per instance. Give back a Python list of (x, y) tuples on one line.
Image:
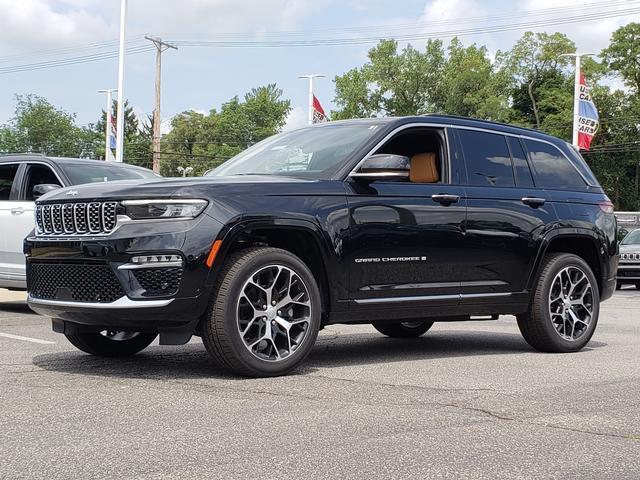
[(397, 222)]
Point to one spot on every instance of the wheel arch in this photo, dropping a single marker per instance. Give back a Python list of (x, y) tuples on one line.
[(584, 244), (300, 237)]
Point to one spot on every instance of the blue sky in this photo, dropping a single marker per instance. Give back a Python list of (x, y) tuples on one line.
[(202, 78)]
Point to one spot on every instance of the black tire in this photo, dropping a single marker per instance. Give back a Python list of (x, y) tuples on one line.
[(220, 328), (409, 329), (536, 325), (95, 343), (637, 285), (618, 286)]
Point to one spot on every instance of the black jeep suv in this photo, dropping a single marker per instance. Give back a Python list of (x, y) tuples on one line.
[(397, 222)]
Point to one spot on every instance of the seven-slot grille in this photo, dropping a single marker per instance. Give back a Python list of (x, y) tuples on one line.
[(631, 257), (92, 218)]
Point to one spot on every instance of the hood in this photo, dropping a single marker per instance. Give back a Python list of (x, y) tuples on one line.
[(633, 248), (205, 187)]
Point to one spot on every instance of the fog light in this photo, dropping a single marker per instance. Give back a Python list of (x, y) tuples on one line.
[(156, 259)]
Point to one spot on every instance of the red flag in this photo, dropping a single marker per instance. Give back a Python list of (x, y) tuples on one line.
[(587, 116), (318, 112)]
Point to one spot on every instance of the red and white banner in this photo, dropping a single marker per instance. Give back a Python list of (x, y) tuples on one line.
[(318, 112), (588, 119)]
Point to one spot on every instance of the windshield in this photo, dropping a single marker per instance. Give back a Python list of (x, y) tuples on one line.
[(94, 171), (314, 152), (632, 239)]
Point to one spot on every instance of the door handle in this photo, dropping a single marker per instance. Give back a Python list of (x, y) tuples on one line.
[(445, 199), (533, 202), (17, 211)]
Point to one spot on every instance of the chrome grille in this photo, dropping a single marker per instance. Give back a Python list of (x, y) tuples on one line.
[(630, 257), (60, 219)]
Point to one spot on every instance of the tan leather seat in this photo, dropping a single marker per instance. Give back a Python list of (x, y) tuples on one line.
[(423, 168)]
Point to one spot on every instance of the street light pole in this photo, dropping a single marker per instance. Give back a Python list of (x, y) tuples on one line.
[(576, 93), (120, 111), (107, 127), (310, 77)]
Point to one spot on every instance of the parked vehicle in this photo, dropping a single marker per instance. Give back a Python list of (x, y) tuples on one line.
[(397, 222), (23, 178), (629, 267)]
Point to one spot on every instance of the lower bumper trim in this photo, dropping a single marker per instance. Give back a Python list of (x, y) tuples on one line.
[(122, 302)]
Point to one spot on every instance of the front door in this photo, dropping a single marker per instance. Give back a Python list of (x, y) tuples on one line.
[(405, 236)]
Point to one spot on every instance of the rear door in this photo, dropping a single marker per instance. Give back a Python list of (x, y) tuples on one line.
[(507, 216)]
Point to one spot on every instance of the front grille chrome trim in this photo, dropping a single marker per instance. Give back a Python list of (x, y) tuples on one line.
[(69, 219), (122, 302)]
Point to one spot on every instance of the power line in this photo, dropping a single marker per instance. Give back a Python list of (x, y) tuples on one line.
[(288, 39)]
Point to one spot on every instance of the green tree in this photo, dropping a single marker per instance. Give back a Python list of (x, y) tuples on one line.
[(535, 59), (40, 127), (623, 54), (205, 141)]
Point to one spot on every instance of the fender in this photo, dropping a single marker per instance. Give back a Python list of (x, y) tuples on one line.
[(554, 234)]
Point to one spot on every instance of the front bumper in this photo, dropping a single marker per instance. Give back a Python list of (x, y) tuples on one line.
[(628, 272), (125, 305)]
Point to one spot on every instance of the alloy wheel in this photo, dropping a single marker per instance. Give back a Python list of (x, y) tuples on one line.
[(571, 303), (274, 313)]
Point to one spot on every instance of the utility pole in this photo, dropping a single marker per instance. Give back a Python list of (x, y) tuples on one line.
[(107, 143), (120, 111), (160, 47), (576, 93), (310, 77)]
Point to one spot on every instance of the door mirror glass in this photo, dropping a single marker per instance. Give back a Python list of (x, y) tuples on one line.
[(383, 166), (43, 188)]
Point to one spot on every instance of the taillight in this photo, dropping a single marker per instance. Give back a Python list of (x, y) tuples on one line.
[(606, 206)]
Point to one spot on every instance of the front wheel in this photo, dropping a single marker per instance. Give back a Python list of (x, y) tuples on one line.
[(111, 343), (264, 316), (564, 311), (405, 329)]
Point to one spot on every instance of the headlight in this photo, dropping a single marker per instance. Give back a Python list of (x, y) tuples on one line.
[(158, 209)]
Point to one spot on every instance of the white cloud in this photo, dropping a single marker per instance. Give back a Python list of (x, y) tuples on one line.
[(297, 118), (29, 25), (32, 25)]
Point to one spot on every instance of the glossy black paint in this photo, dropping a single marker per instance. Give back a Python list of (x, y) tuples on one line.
[(477, 255)]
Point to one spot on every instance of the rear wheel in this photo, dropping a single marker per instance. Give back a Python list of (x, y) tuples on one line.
[(264, 315), (564, 310), (111, 343), (405, 329), (618, 286), (637, 285)]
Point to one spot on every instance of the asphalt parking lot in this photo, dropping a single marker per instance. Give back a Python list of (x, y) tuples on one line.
[(465, 401)]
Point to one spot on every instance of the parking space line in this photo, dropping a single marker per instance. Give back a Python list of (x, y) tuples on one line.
[(27, 339)]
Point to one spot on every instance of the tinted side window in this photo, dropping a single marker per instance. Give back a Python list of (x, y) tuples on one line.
[(520, 163), (551, 169), (7, 175), (488, 159)]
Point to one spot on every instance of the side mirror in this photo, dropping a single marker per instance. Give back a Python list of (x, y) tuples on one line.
[(383, 166), (39, 190)]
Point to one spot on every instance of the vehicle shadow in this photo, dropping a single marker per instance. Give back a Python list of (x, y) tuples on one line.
[(16, 307), (191, 361)]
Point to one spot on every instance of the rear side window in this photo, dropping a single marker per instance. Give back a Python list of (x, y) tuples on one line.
[(7, 176), (551, 169), (520, 163), (488, 159)]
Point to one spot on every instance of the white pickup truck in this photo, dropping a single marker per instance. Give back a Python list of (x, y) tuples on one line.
[(23, 178)]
